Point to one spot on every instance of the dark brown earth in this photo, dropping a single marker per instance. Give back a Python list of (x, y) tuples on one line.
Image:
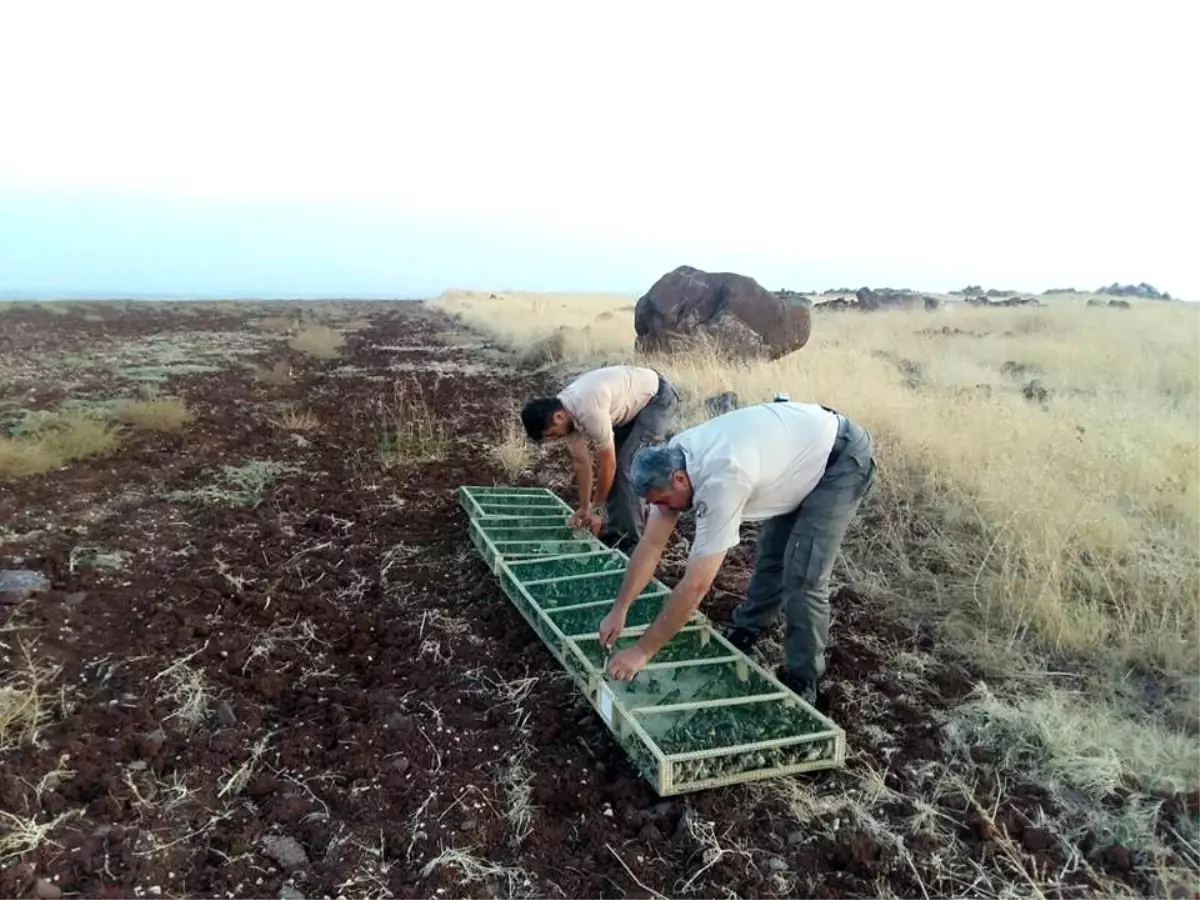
[(369, 673)]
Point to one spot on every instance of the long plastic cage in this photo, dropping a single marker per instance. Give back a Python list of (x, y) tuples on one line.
[(701, 714)]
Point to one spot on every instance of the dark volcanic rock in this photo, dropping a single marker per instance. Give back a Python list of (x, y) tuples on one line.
[(734, 312)]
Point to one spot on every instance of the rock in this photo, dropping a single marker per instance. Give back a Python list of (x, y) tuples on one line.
[(719, 404), (776, 865), (397, 721), (18, 584), (734, 313), (47, 889), (468, 825), (288, 892), (226, 717), (401, 764), (795, 838), (150, 745), (286, 851), (1036, 391), (74, 599)]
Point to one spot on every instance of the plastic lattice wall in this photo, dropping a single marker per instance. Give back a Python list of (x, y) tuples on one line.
[(701, 714)]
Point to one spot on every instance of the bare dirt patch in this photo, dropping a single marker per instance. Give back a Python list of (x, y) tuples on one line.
[(311, 683)]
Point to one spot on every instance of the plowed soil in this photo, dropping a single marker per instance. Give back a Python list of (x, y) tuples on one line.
[(325, 693)]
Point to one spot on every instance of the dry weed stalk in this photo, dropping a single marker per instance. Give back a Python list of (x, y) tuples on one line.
[(24, 699)]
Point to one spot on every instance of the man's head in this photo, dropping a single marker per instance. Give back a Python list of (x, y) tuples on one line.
[(659, 476), (546, 418)]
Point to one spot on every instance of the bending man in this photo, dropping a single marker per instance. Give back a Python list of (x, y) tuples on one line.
[(618, 409), (801, 467)]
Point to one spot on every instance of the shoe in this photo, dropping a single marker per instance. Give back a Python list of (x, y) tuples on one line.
[(742, 638), (801, 686)]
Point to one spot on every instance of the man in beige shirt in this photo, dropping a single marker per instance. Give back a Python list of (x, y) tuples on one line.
[(802, 470), (616, 410)]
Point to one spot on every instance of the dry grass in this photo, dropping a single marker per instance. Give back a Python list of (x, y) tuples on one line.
[(292, 419), (1077, 524), (320, 341), (512, 453), (279, 374), (62, 440), (411, 431), (168, 415), (24, 698)]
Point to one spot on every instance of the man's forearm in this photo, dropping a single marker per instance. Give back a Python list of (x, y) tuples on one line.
[(674, 615), (583, 478), (608, 470)]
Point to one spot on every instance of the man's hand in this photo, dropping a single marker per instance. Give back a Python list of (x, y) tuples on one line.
[(584, 518), (626, 664), (611, 627)]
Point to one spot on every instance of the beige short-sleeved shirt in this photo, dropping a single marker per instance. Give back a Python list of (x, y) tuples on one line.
[(753, 464), (608, 397)]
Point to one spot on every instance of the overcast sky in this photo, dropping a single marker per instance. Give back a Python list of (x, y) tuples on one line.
[(396, 149)]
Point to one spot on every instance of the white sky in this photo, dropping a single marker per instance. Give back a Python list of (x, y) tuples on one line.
[(1025, 145)]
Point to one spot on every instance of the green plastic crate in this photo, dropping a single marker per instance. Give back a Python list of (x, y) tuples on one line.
[(702, 714)]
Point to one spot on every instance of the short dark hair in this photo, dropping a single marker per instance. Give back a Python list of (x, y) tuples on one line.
[(537, 416)]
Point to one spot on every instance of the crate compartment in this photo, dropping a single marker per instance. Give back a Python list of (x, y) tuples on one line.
[(503, 533), (710, 728), (598, 561), (690, 643), (691, 684), (586, 619), (599, 588), (523, 550)]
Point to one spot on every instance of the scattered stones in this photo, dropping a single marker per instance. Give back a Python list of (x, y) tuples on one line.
[(1036, 391), (1015, 369), (286, 851)]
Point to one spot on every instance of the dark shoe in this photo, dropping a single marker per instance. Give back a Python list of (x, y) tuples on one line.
[(801, 686), (742, 638)]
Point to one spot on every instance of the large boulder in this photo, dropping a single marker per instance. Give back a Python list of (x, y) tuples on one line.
[(737, 314)]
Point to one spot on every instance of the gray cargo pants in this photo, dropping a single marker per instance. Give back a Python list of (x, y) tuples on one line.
[(796, 552), (625, 515)]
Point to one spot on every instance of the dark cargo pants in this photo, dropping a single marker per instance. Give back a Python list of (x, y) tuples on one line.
[(625, 515), (796, 552)]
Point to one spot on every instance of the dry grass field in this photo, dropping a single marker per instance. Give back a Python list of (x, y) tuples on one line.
[(265, 660)]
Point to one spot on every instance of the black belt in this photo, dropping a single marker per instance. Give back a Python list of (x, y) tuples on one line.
[(840, 439)]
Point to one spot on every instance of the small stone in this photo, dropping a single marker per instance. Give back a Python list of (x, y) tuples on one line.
[(74, 599), (138, 765), (288, 892), (17, 585), (22, 582), (401, 764), (150, 745), (397, 722), (286, 851), (796, 837), (775, 864), (467, 825), (226, 717), (47, 889)]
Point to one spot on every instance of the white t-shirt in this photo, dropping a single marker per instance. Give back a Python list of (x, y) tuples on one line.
[(753, 464), (602, 398)]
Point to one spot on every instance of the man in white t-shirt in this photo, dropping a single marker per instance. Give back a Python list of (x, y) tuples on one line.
[(803, 469), (616, 410)]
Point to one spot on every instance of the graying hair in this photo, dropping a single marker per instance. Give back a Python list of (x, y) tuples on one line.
[(653, 467)]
